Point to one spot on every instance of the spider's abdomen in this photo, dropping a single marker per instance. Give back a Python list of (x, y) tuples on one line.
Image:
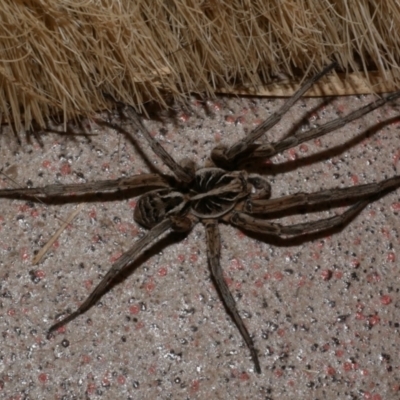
[(216, 192), (156, 205)]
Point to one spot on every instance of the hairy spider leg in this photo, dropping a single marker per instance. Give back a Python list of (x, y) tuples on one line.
[(124, 261), (271, 206), (254, 224), (213, 255), (271, 149), (234, 151)]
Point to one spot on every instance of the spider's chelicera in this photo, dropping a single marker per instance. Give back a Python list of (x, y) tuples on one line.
[(222, 193)]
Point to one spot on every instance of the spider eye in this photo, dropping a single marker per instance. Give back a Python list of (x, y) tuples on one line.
[(156, 205)]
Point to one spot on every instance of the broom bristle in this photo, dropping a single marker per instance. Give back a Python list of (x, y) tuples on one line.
[(61, 57)]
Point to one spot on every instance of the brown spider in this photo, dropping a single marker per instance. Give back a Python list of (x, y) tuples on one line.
[(221, 193)]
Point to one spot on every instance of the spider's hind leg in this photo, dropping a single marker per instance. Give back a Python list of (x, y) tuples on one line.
[(213, 254)]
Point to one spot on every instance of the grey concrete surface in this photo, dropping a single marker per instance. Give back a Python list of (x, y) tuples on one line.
[(324, 313)]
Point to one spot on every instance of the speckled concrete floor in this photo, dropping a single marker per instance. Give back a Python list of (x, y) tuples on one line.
[(324, 313)]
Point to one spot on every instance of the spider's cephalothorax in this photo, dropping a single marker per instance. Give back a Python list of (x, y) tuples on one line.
[(213, 195)]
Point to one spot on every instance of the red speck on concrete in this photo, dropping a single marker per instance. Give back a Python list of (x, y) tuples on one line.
[(86, 359), (330, 371), (184, 117), (373, 278), (236, 265), (244, 376), (374, 320), (93, 213), (278, 373), (150, 285), (391, 257), (339, 353), (326, 275), (40, 274), (278, 276), (88, 284), (91, 388), (24, 253), (396, 206), (134, 309), (115, 257), (65, 169), (292, 155), (43, 378), (372, 396), (230, 119), (396, 157), (163, 271), (121, 380), (338, 274), (62, 329), (386, 299), (259, 283), (355, 179), (194, 387), (350, 366), (303, 148)]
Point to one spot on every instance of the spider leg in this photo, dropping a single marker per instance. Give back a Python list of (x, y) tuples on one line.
[(126, 259), (131, 182), (184, 174), (213, 254), (270, 149), (228, 156), (262, 206), (250, 223)]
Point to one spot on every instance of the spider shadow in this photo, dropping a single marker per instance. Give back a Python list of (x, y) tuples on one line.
[(170, 239)]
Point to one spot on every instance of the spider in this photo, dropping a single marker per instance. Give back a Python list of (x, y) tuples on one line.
[(220, 193)]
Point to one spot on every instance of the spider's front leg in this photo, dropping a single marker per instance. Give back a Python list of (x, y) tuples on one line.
[(228, 157), (213, 254), (270, 149), (109, 185)]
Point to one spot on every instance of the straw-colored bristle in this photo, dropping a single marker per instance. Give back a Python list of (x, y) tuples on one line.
[(61, 57)]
